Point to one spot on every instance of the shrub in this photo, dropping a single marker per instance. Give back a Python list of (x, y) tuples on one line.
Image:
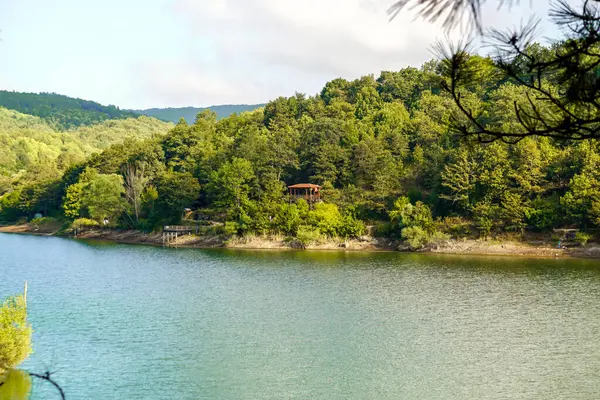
[(404, 214), (582, 238), (230, 228), (438, 237), (385, 230), (15, 332), (351, 227), (82, 223), (42, 221), (455, 226), (415, 236), (327, 218), (287, 219), (308, 235)]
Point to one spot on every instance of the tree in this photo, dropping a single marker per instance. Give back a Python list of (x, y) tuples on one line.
[(103, 197), (175, 190), (458, 178), (579, 201), (513, 212), (569, 113), (72, 201), (230, 184), (136, 182), (15, 332), (484, 215)]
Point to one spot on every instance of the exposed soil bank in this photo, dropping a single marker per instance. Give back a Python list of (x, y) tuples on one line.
[(465, 246)]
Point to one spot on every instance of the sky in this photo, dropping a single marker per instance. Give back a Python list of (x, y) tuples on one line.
[(140, 54)]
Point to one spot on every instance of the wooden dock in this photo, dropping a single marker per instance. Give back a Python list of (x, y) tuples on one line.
[(172, 232)]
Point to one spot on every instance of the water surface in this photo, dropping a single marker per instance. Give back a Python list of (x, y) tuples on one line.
[(141, 322)]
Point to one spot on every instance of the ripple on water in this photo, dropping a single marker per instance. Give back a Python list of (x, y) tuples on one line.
[(139, 322)]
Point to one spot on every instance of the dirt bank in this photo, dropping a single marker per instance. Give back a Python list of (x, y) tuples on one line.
[(466, 246)]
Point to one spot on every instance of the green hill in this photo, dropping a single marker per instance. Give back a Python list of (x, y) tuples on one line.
[(31, 145), (189, 113), (61, 111)]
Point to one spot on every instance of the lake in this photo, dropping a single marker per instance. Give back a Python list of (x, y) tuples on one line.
[(140, 322)]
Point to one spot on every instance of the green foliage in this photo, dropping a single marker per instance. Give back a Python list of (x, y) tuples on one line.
[(582, 238), (288, 219), (380, 147), (97, 196), (82, 223), (326, 218), (308, 235), (542, 214), (65, 112), (404, 214), (513, 212), (415, 223), (175, 191), (229, 186), (350, 227), (43, 221), (457, 227), (15, 384), (415, 236), (484, 216), (10, 209), (15, 332)]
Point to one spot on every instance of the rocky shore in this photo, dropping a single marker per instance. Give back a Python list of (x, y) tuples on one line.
[(464, 246)]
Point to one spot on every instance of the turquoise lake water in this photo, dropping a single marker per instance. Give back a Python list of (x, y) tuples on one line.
[(140, 322)]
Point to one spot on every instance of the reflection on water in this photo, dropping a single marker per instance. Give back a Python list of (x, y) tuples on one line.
[(141, 322), (15, 384)]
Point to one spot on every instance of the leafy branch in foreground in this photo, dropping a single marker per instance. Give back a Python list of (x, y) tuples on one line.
[(15, 347), (47, 376), (561, 84)]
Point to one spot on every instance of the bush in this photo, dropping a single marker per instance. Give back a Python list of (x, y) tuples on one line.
[(287, 219), (308, 235), (415, 236), (82, 223), (43, 221), (582, 238), (438, 237), (231, 228), (15, 332), (455, 226), (327, 218), (351, 227), (385, 230)]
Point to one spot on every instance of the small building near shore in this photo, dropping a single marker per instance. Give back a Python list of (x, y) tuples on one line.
[(307, 191)]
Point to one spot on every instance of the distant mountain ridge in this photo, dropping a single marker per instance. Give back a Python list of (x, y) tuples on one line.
[(189, 113), (64, 112), (61, 111)]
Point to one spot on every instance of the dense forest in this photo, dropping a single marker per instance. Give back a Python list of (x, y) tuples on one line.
[(189, 113), (381, 148), (62, 112), (31, 150)]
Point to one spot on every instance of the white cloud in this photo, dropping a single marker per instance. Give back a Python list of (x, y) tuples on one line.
[(255, 50)]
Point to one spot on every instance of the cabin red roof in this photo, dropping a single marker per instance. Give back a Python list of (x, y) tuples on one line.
[(304, 186)]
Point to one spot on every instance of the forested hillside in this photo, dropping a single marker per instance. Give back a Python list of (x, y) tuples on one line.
[(60, 111), (32, 150), (380, 147), (189, 113)]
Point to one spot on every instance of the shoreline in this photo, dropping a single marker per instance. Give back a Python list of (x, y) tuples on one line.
[(457, 247)]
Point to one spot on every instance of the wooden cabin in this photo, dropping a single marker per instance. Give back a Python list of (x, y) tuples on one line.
[(307, 191)]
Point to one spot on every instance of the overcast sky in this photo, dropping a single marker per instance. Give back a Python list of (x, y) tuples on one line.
[(171, 53)]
